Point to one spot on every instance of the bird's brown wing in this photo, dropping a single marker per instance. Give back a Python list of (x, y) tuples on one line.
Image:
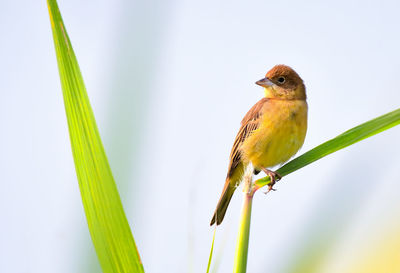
[(249, 124)]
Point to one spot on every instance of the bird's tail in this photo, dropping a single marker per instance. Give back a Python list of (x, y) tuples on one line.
[(223, 203)]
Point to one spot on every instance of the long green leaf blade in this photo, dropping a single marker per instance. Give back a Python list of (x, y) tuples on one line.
[(348, 138), (211, 251), (108, 226)]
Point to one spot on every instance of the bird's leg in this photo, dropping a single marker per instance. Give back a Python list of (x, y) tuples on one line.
[(274, 176)]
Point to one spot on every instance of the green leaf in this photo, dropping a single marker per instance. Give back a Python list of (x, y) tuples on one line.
[(108, 226), (348, 138), (211, 251)]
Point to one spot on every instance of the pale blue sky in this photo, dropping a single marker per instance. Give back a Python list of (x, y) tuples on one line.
[(169, 82)]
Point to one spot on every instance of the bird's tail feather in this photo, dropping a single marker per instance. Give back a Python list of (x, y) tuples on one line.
[(223, 203)]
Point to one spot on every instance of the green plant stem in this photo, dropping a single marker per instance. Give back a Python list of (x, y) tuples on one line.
[(242, 244)]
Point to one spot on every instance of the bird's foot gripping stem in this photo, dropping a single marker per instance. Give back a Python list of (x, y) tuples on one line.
[(274, 176)]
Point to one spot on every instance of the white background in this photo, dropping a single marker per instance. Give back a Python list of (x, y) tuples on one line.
[(169, 82)]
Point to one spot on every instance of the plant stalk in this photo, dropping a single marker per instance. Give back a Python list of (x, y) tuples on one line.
[(242, 244)]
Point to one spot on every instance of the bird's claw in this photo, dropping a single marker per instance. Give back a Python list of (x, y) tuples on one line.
[(274, 177), (270, 187)]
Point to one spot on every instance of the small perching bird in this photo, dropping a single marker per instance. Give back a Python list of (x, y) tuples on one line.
[(271, 132)]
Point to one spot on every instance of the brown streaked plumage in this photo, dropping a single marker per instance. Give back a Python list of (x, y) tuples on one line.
[(271, 132)]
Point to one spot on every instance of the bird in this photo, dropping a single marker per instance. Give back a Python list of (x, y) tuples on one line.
[(271, 132)]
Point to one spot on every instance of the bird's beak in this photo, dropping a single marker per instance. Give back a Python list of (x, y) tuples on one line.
[(265, 82)]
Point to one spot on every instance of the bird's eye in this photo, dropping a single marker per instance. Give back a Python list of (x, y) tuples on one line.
[(281, 79)]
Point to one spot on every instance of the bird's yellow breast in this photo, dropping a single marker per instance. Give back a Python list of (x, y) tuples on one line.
[(280, 135)]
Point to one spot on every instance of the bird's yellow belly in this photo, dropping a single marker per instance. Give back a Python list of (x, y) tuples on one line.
[(280, 135)]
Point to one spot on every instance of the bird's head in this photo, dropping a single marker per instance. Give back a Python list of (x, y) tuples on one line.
[(282, 82)]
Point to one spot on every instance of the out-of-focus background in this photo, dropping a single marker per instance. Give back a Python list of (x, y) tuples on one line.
[(169, 82)]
